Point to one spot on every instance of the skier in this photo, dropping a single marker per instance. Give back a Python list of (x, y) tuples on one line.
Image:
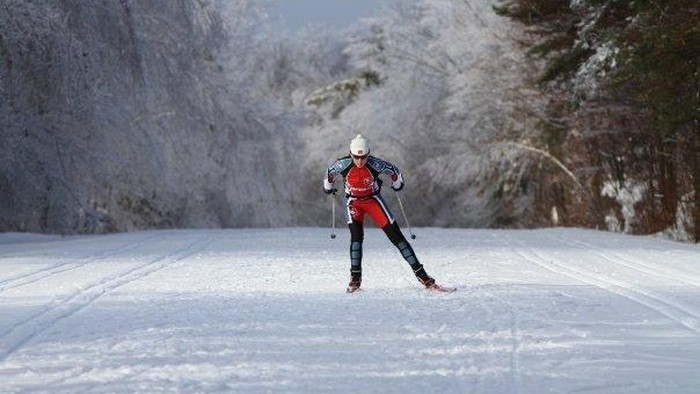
[(362, 197)]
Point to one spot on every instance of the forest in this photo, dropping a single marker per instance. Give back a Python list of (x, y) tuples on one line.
[(123, 115)]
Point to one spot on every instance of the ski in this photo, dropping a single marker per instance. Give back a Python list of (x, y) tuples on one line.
[(436, 288)]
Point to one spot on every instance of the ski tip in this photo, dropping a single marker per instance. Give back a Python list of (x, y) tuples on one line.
[(442, 289)]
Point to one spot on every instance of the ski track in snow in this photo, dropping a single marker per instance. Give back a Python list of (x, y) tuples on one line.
[(636, 264), (258, 311), (516, 340), (682, 314), (34, 276), (23, 331)]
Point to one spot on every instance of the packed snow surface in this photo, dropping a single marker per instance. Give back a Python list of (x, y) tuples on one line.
[(256, 311)]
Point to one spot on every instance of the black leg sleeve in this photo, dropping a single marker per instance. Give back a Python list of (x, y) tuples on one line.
[(393, 232), (357, 235)]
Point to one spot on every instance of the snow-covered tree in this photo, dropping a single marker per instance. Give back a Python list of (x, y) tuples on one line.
[(128, 115), (446, 89)]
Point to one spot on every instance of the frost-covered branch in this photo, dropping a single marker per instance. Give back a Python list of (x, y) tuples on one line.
[(548, 156)]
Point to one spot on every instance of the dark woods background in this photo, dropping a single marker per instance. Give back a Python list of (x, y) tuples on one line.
[(636, 127)]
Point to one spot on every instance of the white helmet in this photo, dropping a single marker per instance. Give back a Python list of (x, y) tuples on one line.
[(359, 146)]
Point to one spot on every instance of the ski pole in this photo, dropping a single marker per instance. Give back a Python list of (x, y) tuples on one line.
[(413, 236), (332, 218)]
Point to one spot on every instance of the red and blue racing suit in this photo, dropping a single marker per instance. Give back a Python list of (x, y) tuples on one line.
[(362, 188)]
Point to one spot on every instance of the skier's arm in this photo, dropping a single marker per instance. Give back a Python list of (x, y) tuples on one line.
[(332, 172), (386, 168)]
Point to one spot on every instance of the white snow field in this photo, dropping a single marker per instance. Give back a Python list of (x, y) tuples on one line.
[(264, 311)]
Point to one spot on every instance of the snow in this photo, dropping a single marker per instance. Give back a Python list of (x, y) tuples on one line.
[(264, 310), (626, 194)]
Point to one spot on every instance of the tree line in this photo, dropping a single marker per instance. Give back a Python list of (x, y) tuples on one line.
[(123, 115)]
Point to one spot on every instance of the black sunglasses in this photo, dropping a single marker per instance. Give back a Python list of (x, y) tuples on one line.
[(359, 157)]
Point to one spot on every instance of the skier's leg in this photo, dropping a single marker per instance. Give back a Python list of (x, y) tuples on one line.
[(357, 235), (393, 232), (355, 215)]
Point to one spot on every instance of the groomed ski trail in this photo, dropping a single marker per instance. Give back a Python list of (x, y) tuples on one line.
[(265, 310)]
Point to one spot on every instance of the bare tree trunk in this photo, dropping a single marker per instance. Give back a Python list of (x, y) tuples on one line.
[(667, 184), (696, 180)]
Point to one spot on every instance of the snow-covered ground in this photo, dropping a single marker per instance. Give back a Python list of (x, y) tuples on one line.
[(253, 311)]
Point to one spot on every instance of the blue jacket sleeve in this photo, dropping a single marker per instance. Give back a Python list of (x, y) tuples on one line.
[(337, 168), (386, 168)]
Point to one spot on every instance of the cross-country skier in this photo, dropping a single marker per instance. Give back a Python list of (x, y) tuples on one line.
[(361, 173)]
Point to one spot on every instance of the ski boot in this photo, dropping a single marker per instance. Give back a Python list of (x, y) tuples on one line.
[(353, 286)]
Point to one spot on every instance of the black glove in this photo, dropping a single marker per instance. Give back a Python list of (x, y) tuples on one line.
[(397, 182), (331, 191)]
